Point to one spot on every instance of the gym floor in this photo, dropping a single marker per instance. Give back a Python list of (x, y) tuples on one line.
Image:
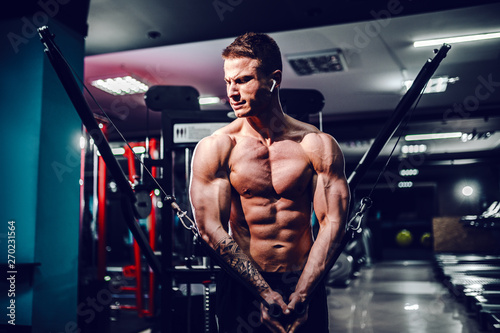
[(398, 296), (391, 296)]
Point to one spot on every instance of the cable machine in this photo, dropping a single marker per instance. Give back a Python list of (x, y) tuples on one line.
[(183, 125), (178, 125)]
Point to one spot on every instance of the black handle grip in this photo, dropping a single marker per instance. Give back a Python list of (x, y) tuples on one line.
[(275, 312), (300, 309)]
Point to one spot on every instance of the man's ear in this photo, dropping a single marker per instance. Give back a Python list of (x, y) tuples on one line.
[(275, 79), (273, 85)]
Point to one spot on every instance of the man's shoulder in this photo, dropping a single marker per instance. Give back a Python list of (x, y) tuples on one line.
[(315, 137), (319, 137), (215, 142), (221, 141), (320, 142)]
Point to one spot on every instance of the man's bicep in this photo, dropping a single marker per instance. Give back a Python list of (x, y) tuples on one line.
[(210, 190), (331, 197), (211, 203), (331, 191)]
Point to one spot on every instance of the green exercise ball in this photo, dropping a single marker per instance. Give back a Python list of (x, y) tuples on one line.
[(426, 239), (404, 238)]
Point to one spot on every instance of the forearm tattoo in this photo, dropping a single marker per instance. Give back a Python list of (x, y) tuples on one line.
[(239, 261)]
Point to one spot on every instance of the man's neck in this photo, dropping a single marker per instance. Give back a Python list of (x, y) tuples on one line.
[(269, 125)]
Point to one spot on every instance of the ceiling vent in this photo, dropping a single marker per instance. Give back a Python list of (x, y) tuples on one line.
[(318, 62)]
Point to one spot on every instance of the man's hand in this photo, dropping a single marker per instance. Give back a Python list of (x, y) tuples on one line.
[(290, 317), (269, 318), (298, 313), (272, 323)]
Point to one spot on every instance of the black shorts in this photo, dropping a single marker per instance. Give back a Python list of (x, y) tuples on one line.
[(238, 311)]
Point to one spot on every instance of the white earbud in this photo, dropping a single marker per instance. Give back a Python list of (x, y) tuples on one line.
[(272, 87)]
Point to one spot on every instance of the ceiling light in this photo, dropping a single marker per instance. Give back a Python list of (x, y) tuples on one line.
[(126, 85), (433, 136), (318, 62), (121, 150), (454, 40), (82, 142), (467, 191), (411, 307), (413, 149), (476, 136), (208, 100), (408, 172), (466, 137), (435, 84), (406, 184), (139, 149), (466, 188), (118, 151)]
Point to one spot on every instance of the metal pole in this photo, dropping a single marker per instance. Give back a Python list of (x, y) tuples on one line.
[(395, 120), (67, 79)]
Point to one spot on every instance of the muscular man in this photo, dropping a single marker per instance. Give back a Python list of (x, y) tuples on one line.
[(253, 184)]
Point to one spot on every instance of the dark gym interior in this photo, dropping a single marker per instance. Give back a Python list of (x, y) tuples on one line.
[(426, 256)]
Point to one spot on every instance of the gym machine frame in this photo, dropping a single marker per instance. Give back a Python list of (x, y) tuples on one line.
[(164, 272)]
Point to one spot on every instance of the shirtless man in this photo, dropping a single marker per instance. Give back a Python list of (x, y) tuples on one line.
[(253, 184)]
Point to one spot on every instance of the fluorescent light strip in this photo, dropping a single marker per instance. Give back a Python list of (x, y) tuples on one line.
[(455, 40), (433, 136), (208, 100)]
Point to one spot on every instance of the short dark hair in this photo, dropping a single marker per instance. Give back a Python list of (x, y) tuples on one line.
[(256, 46)]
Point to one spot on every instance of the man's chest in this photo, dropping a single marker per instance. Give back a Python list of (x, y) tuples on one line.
[(281, 169)]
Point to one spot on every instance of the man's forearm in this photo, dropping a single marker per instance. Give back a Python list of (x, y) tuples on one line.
[(320, 261), (232, 254)]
